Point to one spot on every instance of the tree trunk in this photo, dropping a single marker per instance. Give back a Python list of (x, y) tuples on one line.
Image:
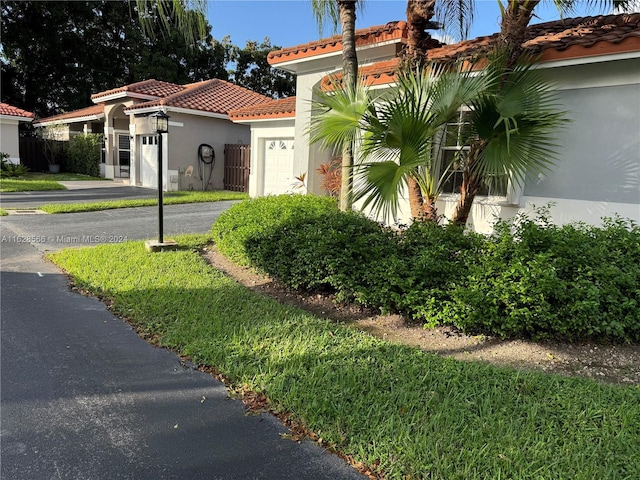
[(513, 28), (419, 15), (347, 12), (470, 187), (416, 200), (422, 209)]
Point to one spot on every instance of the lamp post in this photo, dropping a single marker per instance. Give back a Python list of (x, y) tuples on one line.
[(161, 125), (159, 122)]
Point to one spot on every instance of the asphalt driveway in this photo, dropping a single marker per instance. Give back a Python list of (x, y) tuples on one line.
[(83, 397), (77, 192)]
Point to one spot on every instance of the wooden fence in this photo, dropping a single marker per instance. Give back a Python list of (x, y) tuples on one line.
[(32, 154), (236, 167)]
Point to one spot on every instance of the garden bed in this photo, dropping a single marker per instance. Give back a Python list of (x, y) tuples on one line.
[(616, 364)]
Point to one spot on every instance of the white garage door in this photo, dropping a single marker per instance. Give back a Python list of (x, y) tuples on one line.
[(149, 161), (278, 168)]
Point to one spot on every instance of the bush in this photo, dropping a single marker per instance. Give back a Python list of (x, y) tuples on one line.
[(8, 169), (248, 220), (531, 278), (84, 154), (541, 280)]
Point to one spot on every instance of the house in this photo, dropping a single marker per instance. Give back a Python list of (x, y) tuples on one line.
[(193, 149), (10, 118), (595, 63)]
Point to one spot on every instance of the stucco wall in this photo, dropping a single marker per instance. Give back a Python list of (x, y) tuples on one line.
[(599, 154), (184, 141), (9, 139), (261, 132)]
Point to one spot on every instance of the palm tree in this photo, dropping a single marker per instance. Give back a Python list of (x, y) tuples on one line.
[(188, 16), (511, 131), (344, 13), (395, 134), (515, 17)]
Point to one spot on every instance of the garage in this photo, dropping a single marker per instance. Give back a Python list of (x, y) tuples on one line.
[(278, 175), (149, 161)]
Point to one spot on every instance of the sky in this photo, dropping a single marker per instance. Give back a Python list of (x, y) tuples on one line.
[(290, 22)]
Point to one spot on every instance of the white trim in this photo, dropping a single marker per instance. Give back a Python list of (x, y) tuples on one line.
[(175, 124), (167, 109), (584, 60), (261, 120), (337, 53), (67, 121), (126, 93), (16, 118)]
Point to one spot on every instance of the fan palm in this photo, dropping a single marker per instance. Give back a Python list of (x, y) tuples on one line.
[(395, 134)]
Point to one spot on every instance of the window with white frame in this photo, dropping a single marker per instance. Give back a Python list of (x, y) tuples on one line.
[(453, 152)]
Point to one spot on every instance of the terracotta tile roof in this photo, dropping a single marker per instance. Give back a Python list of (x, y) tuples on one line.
[(214, 96), (567, 38), (282, 108), (365, 36), (151, 87), (560, 39), (96, 110), (11, 111)]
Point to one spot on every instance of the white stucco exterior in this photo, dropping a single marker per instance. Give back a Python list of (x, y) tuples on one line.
[(10, 134), (597, 173)]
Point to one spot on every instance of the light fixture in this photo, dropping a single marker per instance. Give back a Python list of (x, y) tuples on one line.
[(160, 122)]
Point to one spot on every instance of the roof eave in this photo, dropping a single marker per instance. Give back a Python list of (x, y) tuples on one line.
[(17, 118), (123, 94), (66, 121)]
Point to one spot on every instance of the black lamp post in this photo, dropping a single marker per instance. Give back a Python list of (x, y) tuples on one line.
[(160, 125)]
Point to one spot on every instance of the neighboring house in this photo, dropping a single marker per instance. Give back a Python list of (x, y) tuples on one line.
[(10, 118), (198, 116), (595, 63)]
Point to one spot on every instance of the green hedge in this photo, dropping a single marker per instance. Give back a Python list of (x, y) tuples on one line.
[(83, 155), (531, 278)]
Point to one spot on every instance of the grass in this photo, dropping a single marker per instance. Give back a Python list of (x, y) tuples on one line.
[(406, 413), (32, 182), (171, 198), (3, 212)]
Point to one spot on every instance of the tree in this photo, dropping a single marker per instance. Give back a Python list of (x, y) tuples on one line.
[(515, 17), (252, 70), (343, 12), (396, 134), (56, 54), (512, 131)]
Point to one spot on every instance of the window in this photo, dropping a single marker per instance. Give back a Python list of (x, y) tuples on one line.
[(453, 152)]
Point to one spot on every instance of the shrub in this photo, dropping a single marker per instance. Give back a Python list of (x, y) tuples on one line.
[(531, 278), (247, 220), (8, 169), (541, 280), (84, 154)]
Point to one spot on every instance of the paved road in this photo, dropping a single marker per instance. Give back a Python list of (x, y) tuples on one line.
[(79, 192), (53, 232), (83, 397)]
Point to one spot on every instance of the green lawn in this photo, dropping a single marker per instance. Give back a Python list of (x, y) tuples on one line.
[(171, 198), (32, 182), (403, 412)]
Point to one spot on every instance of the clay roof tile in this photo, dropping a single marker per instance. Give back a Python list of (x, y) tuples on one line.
[(155, 88), (281, 108), (364, 36), (213, 96), (11, 111)]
